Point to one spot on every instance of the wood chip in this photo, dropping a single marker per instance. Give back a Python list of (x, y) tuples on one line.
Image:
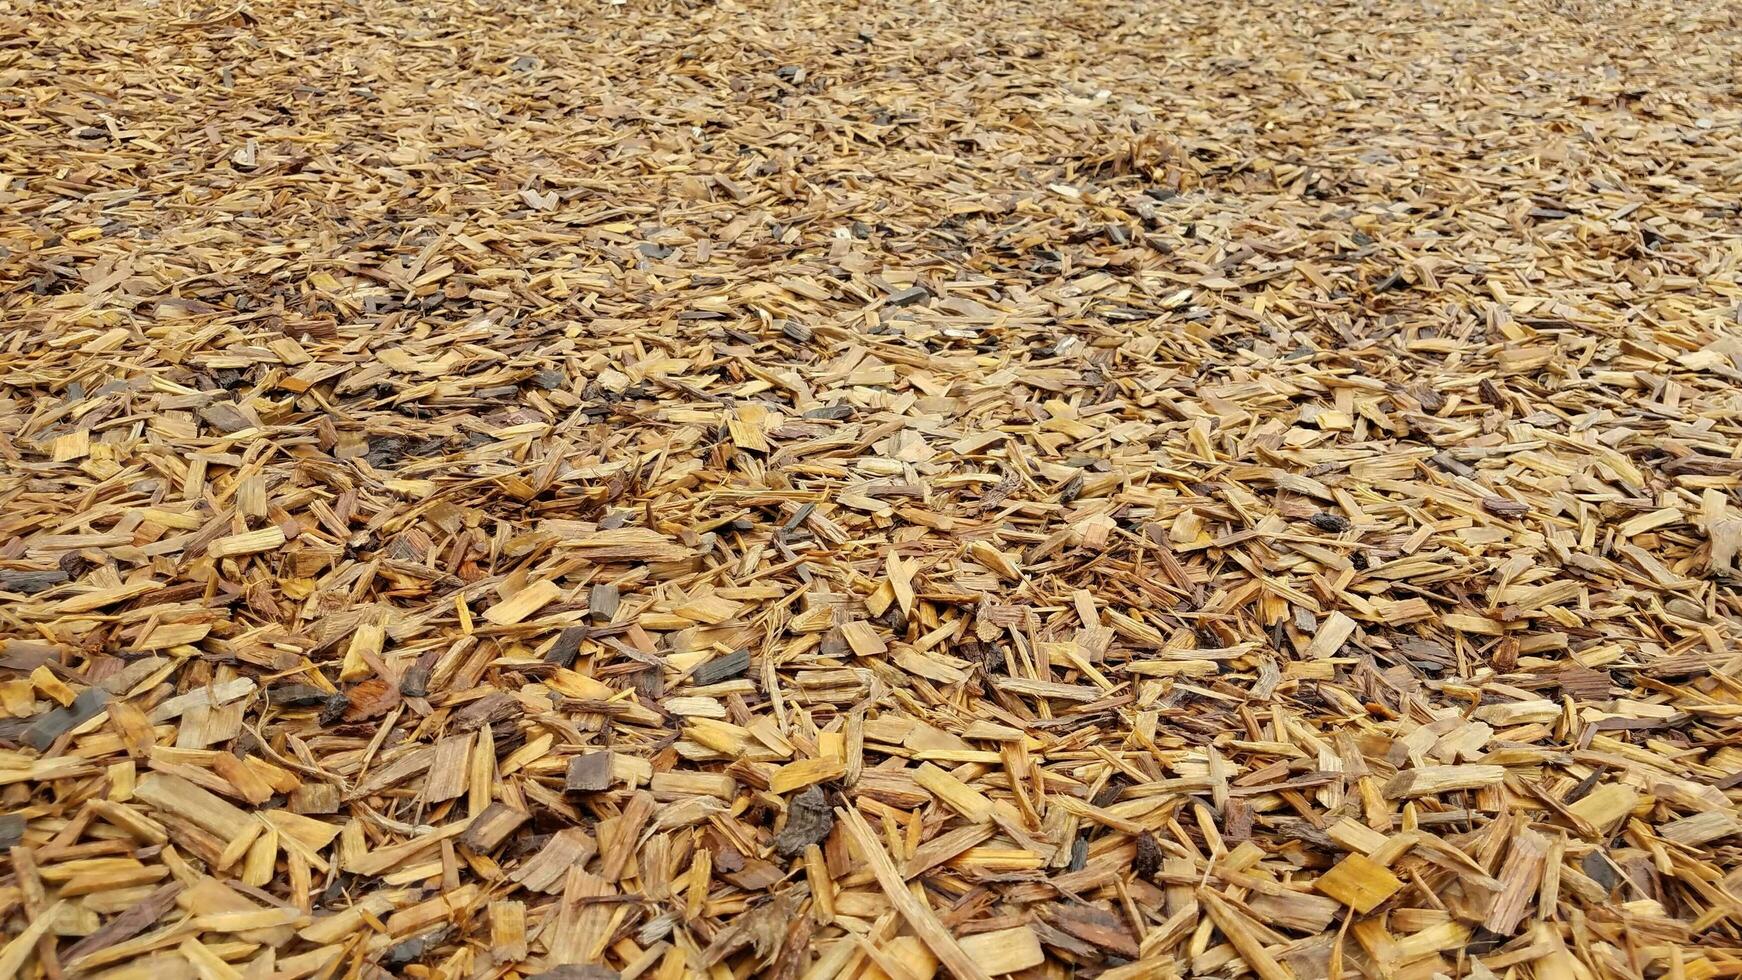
[(1359, 883)]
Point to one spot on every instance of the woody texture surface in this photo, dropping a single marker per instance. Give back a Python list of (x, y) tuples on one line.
[(1139, 489)]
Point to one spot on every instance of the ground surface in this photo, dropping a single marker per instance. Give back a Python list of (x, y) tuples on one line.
[(1139, 488)]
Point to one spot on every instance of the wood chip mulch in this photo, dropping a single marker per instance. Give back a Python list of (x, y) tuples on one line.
[(872, 490)]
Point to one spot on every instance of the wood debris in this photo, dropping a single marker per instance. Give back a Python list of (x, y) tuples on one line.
[(886, 491)]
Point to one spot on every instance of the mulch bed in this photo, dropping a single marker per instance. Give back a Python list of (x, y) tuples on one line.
[(802, 490)]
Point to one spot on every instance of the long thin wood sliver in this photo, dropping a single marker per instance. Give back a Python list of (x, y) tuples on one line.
[(1241, 936), (919, 915), (17, 951)]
